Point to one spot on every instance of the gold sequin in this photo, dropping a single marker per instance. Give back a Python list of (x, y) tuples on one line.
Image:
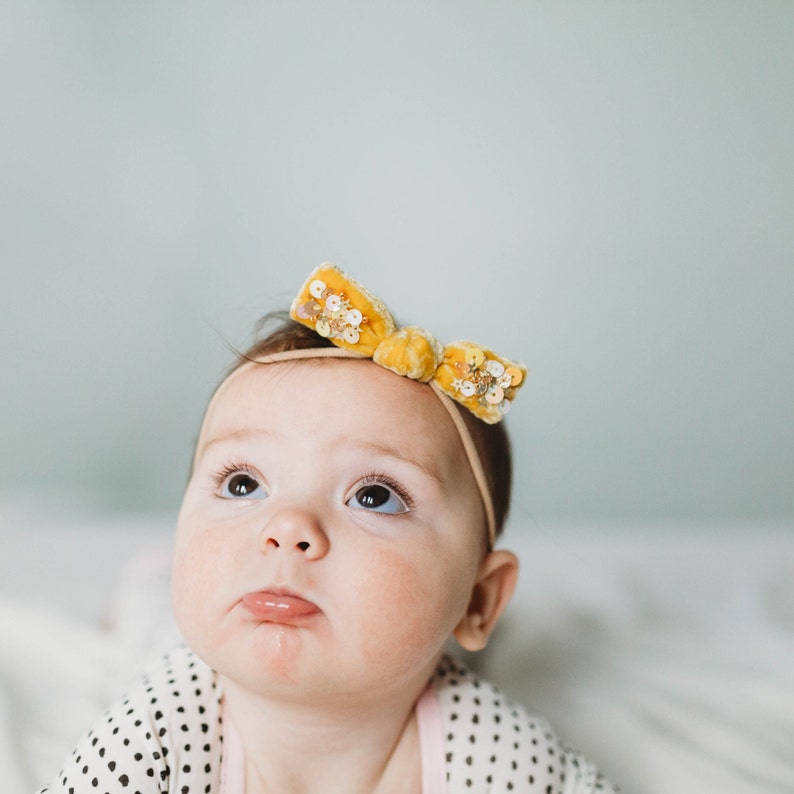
[(474, 357), (323, 327), (516, 376)]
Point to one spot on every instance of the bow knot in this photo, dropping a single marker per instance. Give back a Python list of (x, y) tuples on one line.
[(343, 311), (411, 352)]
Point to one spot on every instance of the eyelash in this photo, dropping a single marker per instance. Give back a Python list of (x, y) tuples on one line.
[(378, 478), (220, 476)]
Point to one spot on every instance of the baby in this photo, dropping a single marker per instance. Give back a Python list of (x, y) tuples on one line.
[(348, 485)]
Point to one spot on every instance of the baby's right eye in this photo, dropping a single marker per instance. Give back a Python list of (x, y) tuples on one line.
[(241, 485)]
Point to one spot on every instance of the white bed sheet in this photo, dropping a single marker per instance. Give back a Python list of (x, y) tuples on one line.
[(664, 653)]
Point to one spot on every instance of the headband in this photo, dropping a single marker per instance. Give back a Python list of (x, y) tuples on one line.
[(360, 326)]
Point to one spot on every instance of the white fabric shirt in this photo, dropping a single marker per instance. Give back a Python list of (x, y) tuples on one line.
[(167, 735)]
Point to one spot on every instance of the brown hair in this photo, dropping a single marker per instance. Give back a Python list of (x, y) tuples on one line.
[(491, 441)]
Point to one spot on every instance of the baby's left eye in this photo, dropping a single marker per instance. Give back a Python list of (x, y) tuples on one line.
[(377, 498), (241, 485)]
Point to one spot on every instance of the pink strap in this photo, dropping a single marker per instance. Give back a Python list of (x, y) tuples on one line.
[(431, 742), (431, 749)]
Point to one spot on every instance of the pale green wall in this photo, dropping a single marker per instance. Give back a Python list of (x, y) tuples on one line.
[(603, 190)]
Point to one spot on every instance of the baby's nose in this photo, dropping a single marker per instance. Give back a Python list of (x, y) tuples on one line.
[(303, 545), (295, 530)]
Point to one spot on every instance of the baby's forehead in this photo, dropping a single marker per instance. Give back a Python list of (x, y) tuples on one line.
[(344, 396)]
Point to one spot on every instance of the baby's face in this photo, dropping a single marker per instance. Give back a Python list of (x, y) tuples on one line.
[(330, 534)]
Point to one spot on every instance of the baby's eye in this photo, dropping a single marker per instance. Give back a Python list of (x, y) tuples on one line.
[(377, 498), (242, 486)]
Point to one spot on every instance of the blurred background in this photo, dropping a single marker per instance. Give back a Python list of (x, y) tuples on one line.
[(602, 190)]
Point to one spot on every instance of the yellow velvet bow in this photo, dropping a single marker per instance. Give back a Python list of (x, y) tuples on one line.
[(340, 309)]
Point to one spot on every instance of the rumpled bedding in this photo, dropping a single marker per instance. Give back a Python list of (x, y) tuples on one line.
[(667, 653), (58, 673), (664, 654)]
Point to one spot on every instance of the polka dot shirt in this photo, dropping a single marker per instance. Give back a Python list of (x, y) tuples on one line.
[(493, 745), (166, 736)]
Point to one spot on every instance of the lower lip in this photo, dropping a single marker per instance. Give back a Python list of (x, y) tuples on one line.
[(284, 609)]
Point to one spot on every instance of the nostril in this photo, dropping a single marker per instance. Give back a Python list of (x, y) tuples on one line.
[(303, 545), (275, 543)]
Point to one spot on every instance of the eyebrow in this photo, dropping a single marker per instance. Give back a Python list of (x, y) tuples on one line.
[(246, 434), (383, 449), (242, 434)]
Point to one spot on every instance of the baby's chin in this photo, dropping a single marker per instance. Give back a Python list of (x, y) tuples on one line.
[(280, 655), (268, 659), (283, 667)]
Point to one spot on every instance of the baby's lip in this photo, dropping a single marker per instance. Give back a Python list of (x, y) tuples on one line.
[(280, 605)]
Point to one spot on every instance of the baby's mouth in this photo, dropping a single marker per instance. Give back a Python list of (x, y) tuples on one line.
[(280, 606)]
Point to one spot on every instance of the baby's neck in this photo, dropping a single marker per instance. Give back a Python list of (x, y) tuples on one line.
[(303, 750)]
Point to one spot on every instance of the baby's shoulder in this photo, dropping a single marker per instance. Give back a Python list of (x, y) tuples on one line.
[(493, 744), (177, 701), (166, 731)]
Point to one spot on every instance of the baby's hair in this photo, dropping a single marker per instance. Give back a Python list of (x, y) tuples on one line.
[(277, 333)]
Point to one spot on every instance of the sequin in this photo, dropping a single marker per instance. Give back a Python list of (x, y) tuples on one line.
[(316, 288), (323, 327), (495, 368), (474, 357), (494, 395), (467, 388), (333, 302), (309, 310), (354, 317), (350, 335), (516, 376)]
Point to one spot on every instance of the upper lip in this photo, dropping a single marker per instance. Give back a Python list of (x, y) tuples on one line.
[(276, 592), (279, 591)]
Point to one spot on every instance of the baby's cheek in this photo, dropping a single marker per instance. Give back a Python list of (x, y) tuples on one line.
[(185, 596), (193, 573), (410, 613)]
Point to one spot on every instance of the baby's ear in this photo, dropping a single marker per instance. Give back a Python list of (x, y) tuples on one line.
[(494, 587)]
